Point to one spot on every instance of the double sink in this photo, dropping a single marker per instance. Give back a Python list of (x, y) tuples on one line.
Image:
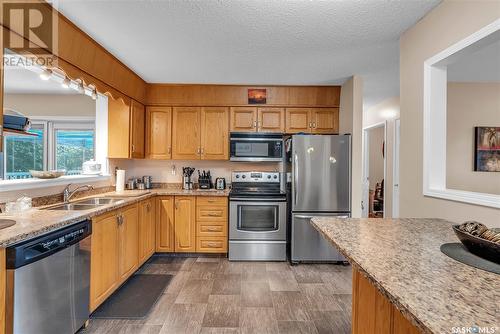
[(86, 204)]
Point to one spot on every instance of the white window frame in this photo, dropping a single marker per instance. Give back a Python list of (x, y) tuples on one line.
[(36, 123), (65, 125), (435, 96)]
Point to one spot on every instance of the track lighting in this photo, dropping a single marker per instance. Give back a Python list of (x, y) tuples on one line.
[(80, 87), (66, 82), (46, 74)]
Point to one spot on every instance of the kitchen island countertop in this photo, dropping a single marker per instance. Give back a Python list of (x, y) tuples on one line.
[(402, 258)]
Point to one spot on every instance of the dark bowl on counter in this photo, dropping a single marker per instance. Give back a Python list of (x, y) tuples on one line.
[(481, 247)]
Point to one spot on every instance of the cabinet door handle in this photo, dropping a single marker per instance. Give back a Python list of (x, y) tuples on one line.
[(202, 151), (310, 125), (314, 125), (118, 220), (133, 148), (169, 150), (255, 124)]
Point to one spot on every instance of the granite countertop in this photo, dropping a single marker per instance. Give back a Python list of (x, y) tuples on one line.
[(401, 257), (38, 221)]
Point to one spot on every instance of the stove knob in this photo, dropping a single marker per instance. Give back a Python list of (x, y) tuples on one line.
[(243, 176), (269, 176), (275, 176), (237, 176)]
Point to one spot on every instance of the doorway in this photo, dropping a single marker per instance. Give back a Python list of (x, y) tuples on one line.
[(374, 170), (395, 170)]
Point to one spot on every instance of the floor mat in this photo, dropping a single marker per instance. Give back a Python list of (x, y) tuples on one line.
[(134, 299)]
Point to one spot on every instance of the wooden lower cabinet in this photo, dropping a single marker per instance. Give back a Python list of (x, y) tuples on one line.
[(211, 224), (373, 313), (128, 237), (103, 258), (146, 229), (165, 224), (114, 252), (191, 224), (185, 224)]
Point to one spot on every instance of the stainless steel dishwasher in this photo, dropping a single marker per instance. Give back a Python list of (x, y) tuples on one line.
[(50, 278)]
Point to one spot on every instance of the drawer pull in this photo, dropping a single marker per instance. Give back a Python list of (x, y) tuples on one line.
[(213, 229), (212, 244), (211, 214)]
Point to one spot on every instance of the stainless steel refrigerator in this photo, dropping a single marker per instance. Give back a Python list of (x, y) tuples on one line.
[(320, 186)]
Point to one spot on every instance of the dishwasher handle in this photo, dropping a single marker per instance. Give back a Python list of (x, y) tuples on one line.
[(32, 250)]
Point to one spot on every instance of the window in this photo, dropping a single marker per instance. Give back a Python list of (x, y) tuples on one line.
[(23, 153), (57, 145)]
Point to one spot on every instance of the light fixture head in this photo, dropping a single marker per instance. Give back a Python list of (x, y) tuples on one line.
[(94, 94), (46, 74), (81, 88), (66, 82)]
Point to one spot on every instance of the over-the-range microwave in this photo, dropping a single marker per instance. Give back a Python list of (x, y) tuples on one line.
[(256, 146)]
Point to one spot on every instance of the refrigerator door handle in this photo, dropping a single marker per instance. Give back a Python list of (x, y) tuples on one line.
[(303, 217), (295, 178)]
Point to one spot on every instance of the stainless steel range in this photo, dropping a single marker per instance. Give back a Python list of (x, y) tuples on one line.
[(257, 217)]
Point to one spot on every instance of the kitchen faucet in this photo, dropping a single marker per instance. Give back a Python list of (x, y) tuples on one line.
[(67, 194)]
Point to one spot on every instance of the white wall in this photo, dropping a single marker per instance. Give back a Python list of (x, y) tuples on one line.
[(51, 105), (350, 121), (469, 105), (448, 23)]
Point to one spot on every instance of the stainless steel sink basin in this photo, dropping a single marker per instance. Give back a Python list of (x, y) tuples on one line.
[(73, 206), (99, 201), (4, 223)]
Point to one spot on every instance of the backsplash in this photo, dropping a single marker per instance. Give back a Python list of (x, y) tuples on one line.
[(161, 170)]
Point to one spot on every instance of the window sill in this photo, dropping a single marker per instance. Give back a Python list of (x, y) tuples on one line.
[(10, 185)]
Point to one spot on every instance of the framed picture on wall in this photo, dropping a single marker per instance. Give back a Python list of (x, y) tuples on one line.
[(487, 149), (257, 96)]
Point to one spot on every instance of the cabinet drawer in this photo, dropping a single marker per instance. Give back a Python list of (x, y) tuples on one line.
[(211, 244), (211, 229), (211, 200), (211, 213)]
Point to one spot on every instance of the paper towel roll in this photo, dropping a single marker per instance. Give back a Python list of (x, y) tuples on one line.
[(120, 180)]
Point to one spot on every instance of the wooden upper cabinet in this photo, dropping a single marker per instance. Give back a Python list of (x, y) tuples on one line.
[(185, 223), (298, 120), (158, 132), (137, 147), (214, 133), (325, 120), (126, 127), (243, 119), (271, 120), (186, 133), (128, 232), (118, 129), (165, 224), (146, 229)]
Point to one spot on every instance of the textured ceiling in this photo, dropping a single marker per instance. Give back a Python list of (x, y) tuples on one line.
[(254, 42)]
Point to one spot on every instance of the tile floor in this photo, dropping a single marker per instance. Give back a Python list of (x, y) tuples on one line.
[(213, 295)]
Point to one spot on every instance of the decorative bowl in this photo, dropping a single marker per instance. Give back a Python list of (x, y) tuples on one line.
[(47, 174), (481, 247)]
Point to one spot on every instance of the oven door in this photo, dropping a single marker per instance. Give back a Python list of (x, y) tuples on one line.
[(257, 219)]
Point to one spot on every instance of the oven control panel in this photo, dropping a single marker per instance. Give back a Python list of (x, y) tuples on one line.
[(256, 177)]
